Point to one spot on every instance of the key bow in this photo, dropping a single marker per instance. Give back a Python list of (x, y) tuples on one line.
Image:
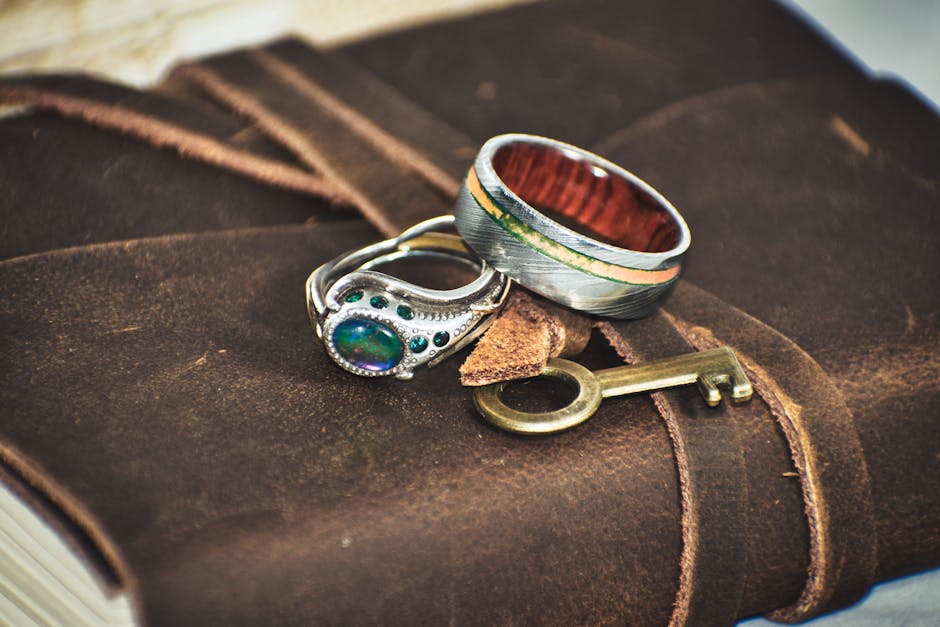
[(708, 369)]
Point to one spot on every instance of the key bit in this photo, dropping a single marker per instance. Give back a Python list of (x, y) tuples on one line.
[(708, 369)]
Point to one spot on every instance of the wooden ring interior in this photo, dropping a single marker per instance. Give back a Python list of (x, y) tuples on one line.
[(586, 198)]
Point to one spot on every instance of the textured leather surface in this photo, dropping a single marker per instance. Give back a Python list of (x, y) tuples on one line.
[(107, 187), (238, 457), (710, 465), (578, 70), (169, 396), (819, 428)]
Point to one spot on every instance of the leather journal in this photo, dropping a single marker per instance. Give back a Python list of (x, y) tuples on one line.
[(166, 406)]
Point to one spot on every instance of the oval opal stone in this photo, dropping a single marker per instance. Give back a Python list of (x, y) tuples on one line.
[(368, 344)]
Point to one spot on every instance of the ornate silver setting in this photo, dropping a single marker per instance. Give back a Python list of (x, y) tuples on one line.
[(347, 298)]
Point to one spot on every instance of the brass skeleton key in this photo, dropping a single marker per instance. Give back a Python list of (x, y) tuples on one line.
[(708, 369)]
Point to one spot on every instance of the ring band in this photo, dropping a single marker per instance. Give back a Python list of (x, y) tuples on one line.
[(373, 324), (636, 242)]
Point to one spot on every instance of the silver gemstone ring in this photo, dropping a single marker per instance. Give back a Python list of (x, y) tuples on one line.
[(374, 324), (571, 225)]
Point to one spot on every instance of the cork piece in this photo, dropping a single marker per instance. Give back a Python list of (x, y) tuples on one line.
[(527, 332)]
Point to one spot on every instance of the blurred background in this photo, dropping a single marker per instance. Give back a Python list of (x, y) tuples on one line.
[(136, 40)]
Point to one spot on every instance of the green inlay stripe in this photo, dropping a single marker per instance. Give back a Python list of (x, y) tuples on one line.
[(559, 252)]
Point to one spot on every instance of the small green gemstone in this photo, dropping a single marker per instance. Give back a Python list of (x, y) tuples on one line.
[(379, 302), (418, 344), (441, 338), (354, 296), (405, 312)]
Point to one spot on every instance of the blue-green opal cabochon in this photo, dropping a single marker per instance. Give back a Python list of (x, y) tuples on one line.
[(368, 344)]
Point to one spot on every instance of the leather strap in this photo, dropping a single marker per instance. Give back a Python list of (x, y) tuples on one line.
[(711, 469), (369, 165), (108, 106), (439, 153), (526, 334), (823, 441)]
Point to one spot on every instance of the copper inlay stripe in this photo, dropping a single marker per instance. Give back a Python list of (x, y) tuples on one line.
[(559, 252)]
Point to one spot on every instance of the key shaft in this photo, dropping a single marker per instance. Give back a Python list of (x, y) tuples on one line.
[(709, 369)]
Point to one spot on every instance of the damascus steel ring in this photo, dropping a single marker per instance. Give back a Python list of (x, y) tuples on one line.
[(571, 225), (373, 324)]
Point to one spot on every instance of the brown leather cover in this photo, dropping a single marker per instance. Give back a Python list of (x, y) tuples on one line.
[(162, 388)]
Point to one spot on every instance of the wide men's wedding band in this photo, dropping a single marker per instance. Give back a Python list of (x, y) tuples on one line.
[(612, 246), (373, 324)]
